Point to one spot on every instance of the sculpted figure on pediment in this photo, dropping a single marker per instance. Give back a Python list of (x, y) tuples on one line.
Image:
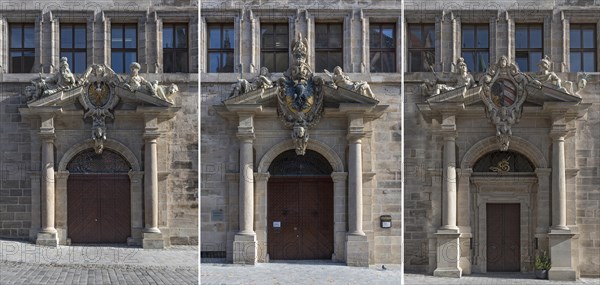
[(262, 81), (340, 79), (61, 80), (460, 78), (136, 83)]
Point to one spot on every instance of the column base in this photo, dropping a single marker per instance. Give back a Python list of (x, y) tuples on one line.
[(153, 241), (448, 254), (47, 239), (561, 254), (244, 249), (357, 250)]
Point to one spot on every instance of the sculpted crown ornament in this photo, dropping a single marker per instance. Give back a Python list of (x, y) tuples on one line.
[(99, 90)]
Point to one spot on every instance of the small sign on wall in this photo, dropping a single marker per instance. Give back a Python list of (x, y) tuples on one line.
[(276, 224), (386, 221), (216, 215)]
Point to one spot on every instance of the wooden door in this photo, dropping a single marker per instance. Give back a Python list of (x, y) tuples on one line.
[(300, 217), (503, 237), (98, 208)]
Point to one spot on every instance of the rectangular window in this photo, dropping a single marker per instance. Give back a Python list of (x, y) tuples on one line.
[(274, 47), (73, 43), (175, 48), (382, 45), (475, 47), (583, 47), (123, 46), (421, 47), (328, 46), (220, 47), (529, 46), (22, 48)]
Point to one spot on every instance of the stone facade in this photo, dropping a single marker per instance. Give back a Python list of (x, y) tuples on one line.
[(25, 123), (435, 225)]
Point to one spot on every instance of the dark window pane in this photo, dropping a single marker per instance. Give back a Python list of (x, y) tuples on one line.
[(16, 36), (335, 36), (468, 37), (321, 38), (470, 60), (374, 37), (213, 61), (182, 36), (415, 61), (281, 41), (78, 65), (116, 62), (129, 58), (522, 63), (80, 36), (482, 37), (268, 61), (588, 62), (281, 60), (389, 64), (575, 38), (335, 59), (575, 61), (414, 34), (534, 59), (28, 37), (130, 37), (117, 37), (429, 36), (483, 61), (214, 34), (267, 30), (168, 64), (28, 59), (535, 37), (15, 61), (375, 61), (388, 37), (228, 37), (227, 63), (521, 37), (168, 39), (268, 42), (66, 37), (588, 38), (181, 59), (281, 29)]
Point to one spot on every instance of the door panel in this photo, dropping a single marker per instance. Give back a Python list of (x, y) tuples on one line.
[(303, 206), (503, 237), (98, 208)]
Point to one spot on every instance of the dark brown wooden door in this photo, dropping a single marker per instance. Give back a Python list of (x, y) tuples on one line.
[(300, 217), (503, 237), (98, 208)]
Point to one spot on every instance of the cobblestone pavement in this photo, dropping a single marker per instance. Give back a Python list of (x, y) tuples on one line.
[(324, 272), (25, 263)]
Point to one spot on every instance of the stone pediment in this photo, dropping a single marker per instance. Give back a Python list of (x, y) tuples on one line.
[(264, 97)]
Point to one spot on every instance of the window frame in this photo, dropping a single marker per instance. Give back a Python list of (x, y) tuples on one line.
[(381, 49), (174, 51), (124, 50), (581, 49), (72, 50), (221, 49), (330, 49), (475, 49), (409, 49), (528, 50), (274, 50), (22, 48)]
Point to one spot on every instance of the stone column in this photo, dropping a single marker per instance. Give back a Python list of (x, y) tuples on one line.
[(448, 250), (559, 184), (152, 235), (47, 235)]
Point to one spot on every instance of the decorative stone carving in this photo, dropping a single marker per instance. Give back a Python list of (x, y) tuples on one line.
[(61, 80), (262, 81), (300, 101), (503, 92), (136, 83), (460, 78), (546, 77), (342, 80), (502, 166)]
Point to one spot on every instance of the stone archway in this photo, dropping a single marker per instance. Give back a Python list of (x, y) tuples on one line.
[(135, 187)]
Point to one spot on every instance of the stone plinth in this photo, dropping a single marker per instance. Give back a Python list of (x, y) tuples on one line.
[(448, 254), (47, 239), (561, 255), (357, 250), (153, 241), (244, 249)]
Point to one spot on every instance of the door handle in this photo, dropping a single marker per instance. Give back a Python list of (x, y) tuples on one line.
[(95, 220)]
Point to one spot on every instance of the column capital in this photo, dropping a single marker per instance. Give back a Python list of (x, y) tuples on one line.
[(61, 174), (543, 172), (449, 134), (339, 176), (151, 136), (47, 136), (246, 137), (355, 137), (133, 175), (261, 176)]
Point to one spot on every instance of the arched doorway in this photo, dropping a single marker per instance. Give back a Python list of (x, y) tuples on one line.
[(98, 198), (300, 207)]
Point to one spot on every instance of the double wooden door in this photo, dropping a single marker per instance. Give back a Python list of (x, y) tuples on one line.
[(98, 208), (300, 217), (503, 237)]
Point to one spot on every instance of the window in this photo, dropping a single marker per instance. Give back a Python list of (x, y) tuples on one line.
[(123, 47), (421, 47), (583, 48), (73, 43), (528, 46), (220, 47), (22, 48), (475, 47), (382, 45), (328, 46), (274, 47), (175, 48)]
